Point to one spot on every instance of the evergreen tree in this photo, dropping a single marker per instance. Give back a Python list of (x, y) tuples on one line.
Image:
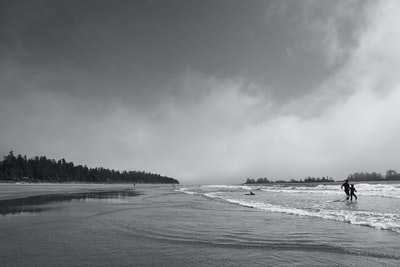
[(42, 169)]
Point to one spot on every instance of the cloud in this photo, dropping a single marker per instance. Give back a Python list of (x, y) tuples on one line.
[(220, 129), (328, 28), (351, 125)]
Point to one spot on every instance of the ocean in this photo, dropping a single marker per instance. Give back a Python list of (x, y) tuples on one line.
[(199, 225)]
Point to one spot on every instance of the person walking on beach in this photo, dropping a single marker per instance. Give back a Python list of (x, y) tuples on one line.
[(352, 190), (346, 188)]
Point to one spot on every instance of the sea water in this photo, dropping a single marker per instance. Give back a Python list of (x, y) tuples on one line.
[(219, 225), (377, 206)]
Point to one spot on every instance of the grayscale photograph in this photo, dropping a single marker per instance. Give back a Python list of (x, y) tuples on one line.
[(199, 133)]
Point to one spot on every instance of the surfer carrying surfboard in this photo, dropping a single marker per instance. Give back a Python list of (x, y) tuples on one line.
[(346, 188)]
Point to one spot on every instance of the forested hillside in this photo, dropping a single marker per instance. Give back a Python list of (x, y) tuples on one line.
[(42, 169)]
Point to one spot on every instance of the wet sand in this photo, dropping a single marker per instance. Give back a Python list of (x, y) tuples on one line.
[(21, 190), (157, 226)]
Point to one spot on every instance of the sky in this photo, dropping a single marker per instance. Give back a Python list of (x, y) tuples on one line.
[(207, 92)]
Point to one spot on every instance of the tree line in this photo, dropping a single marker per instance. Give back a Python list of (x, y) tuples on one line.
[(306, 180), (390, 175), (41, 169)]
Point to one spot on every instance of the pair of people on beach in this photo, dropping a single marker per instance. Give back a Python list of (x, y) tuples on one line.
[(349, 190)]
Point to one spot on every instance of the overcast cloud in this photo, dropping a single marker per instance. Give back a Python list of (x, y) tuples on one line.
[(204, 91)]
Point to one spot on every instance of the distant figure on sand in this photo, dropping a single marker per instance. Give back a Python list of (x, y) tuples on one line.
[(346, 188), (352, 190)]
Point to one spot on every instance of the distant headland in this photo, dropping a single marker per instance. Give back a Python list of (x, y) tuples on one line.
[(41, 169), (306, 180), (390, 175)]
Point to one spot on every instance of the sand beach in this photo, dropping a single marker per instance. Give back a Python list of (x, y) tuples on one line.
[(162, 225)]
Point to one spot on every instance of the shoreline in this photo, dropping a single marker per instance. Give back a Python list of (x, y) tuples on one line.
[(17, 190), (11, 191), (163, 227)]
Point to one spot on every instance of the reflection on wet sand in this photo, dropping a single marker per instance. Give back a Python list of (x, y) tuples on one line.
[(32, 204)]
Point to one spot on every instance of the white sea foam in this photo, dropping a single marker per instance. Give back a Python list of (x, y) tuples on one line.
[(380, 210), (381, 190), (377, 220), (213, 195), (186, 191), (307, 190), (245, 187), (363, 189)]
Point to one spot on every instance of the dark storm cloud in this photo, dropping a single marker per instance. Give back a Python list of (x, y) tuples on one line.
[(139, 47), (127, 41)]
